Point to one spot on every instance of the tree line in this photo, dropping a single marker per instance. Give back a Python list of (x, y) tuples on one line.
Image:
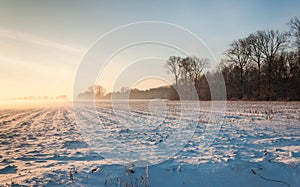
[(98, 92), (262, 66), (265, 65)]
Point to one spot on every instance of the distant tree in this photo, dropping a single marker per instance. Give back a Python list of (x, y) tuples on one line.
[(97, 90), (91, 89), (61, 97), (125, 89)]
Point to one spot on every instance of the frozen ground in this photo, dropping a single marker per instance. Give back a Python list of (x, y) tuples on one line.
[(257, 144)]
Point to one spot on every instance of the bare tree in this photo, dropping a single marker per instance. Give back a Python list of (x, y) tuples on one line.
[(271, 42), (239, 53), (257, 57), (97, 90), (295, 31), (196, 68), (173, 67), (265, 65), (185, 68)]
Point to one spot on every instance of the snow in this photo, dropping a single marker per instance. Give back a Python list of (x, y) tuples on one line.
[(249, 144)]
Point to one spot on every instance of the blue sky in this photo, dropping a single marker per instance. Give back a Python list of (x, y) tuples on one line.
[(43, 42)]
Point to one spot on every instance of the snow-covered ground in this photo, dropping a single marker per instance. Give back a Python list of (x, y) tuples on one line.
[(251, 144)]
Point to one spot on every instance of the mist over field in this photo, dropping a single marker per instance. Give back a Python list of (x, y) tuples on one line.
[(140, 94)]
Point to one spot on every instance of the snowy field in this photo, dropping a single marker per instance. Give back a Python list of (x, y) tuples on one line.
[(251, 144)]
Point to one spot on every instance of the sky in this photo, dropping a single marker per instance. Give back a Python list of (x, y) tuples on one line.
[(43, 43)]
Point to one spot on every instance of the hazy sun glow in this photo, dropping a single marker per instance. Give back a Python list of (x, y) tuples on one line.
[(41, 49), (33, 66), (129, 67)]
